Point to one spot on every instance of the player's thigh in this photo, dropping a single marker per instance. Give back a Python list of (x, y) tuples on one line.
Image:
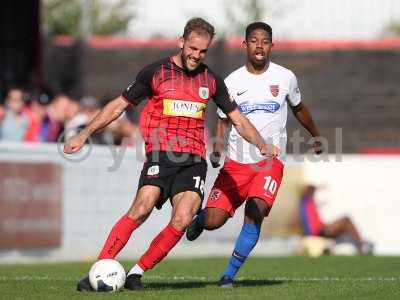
[(184, 207), (187, 193), (215, 217), (158, 174), (266, 183), (190, 179), (229, 190), (145, 200), (336, 228)]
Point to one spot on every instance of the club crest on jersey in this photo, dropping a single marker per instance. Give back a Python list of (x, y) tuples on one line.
[(204, 92), (274, 89), (214, 195)]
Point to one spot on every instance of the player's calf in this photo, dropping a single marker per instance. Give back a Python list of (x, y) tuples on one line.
[(214, 218), (209, 219)]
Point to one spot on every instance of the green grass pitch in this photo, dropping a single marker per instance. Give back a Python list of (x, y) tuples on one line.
[(260, 278)]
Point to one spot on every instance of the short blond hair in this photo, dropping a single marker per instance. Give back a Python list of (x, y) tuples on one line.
[(200, 26)]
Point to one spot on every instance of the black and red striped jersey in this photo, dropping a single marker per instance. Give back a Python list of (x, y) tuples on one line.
[(173, 118)]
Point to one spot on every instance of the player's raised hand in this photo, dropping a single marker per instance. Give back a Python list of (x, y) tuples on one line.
[(74, 144), (270, 151)]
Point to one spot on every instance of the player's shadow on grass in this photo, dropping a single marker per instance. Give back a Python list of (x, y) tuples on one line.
[(257, 282), (202, 284), (176, 285)]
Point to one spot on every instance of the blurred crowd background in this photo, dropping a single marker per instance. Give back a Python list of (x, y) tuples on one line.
[(60, 61), (43, 117)]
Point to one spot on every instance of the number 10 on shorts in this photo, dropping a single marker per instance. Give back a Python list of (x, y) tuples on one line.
[(270, 185), (199, 183)]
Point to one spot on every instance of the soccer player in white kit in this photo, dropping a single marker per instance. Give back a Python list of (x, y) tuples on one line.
[(263, 90)]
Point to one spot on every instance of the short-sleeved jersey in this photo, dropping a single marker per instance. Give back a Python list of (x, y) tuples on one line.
[(173, 118), (263, 98)]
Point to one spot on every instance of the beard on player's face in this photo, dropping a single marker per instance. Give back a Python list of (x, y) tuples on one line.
[(189, 62), (193, 50)]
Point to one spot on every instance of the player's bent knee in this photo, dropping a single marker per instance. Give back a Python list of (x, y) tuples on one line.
[(254, 217), (256, 210), (140, 212), (181, 221), (213, 225), (214, 219)]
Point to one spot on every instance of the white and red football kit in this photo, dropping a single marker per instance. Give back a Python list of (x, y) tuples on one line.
[(264, 99)]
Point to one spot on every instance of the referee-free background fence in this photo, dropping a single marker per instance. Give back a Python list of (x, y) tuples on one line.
[(75, 203)]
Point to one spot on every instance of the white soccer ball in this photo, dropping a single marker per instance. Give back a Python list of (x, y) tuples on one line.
[(107, 275)]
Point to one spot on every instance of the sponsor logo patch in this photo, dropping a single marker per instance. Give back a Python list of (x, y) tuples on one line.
[(267, 107), (184, 108), (153, 170)]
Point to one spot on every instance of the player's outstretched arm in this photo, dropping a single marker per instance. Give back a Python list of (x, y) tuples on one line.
[(219, 141), (250, 133), (303, 115), (109, 113), (219, 133)]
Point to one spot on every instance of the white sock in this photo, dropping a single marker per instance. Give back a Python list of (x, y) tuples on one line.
[(136, 270)]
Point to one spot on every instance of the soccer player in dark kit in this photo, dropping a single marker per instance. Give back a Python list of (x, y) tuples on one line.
[(178, 89)]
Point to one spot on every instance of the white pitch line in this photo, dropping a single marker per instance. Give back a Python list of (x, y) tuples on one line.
[(202, 278)]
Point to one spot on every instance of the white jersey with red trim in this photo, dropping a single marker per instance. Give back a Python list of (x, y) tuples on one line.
[(263, 98)]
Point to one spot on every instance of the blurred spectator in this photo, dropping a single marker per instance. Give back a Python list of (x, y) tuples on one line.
[(123, 131), (36, 112), (116, 133), (2, 112), (89, 107), (56, 115), (314, 226), (15, 122), (43, 119), (73, 109)]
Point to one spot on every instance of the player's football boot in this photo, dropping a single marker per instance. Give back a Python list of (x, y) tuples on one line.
[(84, 285), (194, 230), (133, 282), (225, 282)]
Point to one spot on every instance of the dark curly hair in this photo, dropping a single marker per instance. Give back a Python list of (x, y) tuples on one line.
[(258, 25)]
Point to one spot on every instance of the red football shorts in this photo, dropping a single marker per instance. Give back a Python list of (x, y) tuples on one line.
[(237, 182)]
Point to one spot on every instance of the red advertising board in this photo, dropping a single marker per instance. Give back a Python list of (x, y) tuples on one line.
[(30, 205)]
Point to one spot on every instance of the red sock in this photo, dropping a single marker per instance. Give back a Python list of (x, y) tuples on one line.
[(118, 237), (160, 246)]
